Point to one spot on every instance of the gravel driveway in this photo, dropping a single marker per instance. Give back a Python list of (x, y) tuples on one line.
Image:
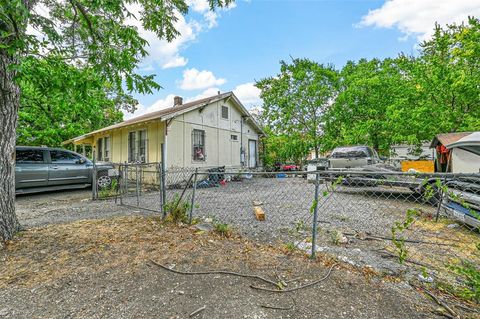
[(287, 204), (60, 207)]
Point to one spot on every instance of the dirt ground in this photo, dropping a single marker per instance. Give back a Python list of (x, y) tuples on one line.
[(83, 259), (102, 269), (66, 206)]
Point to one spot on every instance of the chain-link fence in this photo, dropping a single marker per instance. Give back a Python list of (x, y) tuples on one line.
[(385, 220)]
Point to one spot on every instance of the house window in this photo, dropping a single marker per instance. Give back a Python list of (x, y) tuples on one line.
[(103, 149), (225, 112), (234, 137), (142, 146), (198, 141), (132, 153), (137, 146)]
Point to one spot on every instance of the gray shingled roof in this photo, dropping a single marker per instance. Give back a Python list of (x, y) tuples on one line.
[(169, 112)]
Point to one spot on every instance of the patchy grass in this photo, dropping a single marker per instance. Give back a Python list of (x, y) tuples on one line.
[(41, 255), (452, 255)]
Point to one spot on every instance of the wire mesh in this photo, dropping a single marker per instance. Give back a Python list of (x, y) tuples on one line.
[(385, 220), (422, 225)]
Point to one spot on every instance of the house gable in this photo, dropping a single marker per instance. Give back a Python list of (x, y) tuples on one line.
[(221, 124)]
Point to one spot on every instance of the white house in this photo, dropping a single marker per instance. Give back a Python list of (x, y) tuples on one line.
[(213, 131)]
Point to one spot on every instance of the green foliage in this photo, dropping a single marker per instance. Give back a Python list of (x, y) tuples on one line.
[(283, 148), (110, 191), (300, 226), (177, 210), (290, 247), (335, 236), (80, 68), (222, 229), (366, 108), (294, 102), (409, 99), (470, 274), (60, 101), (397, 231)]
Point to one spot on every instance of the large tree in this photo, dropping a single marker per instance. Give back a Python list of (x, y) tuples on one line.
[(370, 104), (295, 100), (84, 32), (410, 99), (448, 77), (77, 101)]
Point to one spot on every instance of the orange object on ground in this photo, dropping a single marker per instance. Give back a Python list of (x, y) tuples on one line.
[(419, 166), (259, 213)]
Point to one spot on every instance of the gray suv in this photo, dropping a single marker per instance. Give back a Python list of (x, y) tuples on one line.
[(41, 169), (352, 157)]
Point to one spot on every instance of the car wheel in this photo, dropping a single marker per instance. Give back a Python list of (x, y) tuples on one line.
[(103, 180)]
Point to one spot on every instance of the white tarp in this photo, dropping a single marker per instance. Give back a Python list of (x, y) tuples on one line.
[(469, 140)]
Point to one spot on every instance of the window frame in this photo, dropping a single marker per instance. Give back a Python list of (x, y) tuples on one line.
[(203, 139), (224, 107), (145, 147), (136, 156), (102, 148), (234, 139)]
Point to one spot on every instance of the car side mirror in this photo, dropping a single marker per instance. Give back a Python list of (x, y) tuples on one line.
[(81, 161)]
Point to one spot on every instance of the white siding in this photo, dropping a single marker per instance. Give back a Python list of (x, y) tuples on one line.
[(220, 148), (465, 162)]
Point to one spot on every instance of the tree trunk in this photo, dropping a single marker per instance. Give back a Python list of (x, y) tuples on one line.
[(9, 105)]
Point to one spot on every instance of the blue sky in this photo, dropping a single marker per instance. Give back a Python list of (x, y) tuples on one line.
[(231, 48)]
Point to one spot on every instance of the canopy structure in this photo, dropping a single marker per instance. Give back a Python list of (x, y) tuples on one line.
[(470, 143), (470, 140)]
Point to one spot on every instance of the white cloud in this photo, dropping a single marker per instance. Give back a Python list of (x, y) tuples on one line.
[(418, 17), (157, 106), (199, 5), (248, 94), (194, 80), (211, 18), (203, 7), (206, 93), (161, 52), (168, 54)]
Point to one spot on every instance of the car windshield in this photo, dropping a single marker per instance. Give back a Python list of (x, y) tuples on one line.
[(347, 152)]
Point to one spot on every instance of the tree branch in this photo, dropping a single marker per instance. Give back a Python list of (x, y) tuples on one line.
[(86, 17)]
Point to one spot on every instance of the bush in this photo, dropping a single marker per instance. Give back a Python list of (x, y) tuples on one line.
[(470, 275), (223, 229), (177, 210)]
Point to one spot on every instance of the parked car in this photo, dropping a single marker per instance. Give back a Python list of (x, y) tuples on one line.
[(41, 169), (317, 164), (352, 157), (290, 167)]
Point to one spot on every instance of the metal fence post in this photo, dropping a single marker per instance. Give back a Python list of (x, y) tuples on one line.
[(94, 177), (137, 184), (192, 204), (126, 180), (121, 171), (164, 194), (315, 216), (159, 171), (440, 200)]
